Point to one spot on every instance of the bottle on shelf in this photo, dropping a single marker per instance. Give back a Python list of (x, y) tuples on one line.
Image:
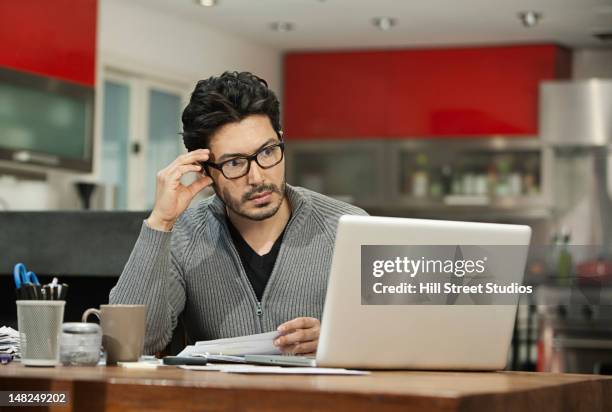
[(492, 178), (435, 189), (420, 178), (407, 171), (565, 270), (481, 183), (457, 182), (530, 184), (502, 188), (447, 179), (515, 184)]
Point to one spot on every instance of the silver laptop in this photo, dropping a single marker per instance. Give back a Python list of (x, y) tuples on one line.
[(437, 336)]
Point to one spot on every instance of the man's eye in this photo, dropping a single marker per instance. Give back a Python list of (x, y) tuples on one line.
[(235, 162), (267, 151)]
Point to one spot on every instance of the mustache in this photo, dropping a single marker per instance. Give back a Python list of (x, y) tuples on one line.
[(260, 189)]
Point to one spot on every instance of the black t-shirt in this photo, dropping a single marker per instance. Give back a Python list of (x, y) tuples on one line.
[(258, 268)]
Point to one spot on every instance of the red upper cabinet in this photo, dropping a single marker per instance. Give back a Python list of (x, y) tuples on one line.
[(469, 91), (335, 94), (420, 92), (55, 39)]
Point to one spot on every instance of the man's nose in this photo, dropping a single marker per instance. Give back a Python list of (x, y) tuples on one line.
[(255, 175)]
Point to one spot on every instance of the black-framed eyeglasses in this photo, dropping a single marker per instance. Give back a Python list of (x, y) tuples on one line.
[(266, 157)]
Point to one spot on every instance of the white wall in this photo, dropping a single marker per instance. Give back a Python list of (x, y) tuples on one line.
[(139, 39), (183, 47)]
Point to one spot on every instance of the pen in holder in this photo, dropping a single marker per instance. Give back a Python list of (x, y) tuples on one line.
[(26, 290), (55, 291)]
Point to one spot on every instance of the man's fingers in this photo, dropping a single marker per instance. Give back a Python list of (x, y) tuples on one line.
[(177, 172), (199, 184), (189, 168), (300, 335), (298, 323), (173, 172), (200, 155)]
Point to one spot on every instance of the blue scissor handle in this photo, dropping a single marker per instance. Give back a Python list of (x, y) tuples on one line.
[(19, 274), (32, 278)]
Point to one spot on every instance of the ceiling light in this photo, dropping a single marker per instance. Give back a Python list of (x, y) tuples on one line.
[(384, 23), (206, 3), (603, 35), (530, 18), (282, 26)]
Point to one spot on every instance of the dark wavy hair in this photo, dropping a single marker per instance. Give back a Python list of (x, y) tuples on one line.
[(225, 99)]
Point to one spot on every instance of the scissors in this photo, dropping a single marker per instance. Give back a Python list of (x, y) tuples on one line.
[(24, 277)]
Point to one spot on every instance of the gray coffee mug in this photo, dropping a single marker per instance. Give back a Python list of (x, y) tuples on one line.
[(123, 331)]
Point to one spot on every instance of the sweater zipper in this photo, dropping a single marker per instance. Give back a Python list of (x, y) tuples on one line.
[(280, 253), (258, 308), (245, 279)]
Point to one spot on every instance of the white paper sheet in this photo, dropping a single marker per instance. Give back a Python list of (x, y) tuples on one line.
[(140, 365), (9, 341), (297, 371), (218, 367), (259, 344), (275, 370)]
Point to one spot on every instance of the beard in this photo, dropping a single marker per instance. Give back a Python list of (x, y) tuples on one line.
[(258, 212)]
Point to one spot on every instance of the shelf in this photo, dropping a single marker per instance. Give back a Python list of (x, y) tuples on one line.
[(378, 175)]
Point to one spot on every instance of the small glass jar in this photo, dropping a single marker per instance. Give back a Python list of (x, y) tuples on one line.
[(80, 344)]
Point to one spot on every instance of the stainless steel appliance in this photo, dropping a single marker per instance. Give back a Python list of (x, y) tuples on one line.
[(575, 320)]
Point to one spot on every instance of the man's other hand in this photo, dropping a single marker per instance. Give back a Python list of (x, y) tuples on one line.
[(299, 336)]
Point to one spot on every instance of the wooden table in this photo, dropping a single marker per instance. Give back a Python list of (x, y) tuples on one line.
[(93, 389)]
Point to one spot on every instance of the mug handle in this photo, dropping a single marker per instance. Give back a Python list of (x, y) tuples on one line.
[(89, 312)]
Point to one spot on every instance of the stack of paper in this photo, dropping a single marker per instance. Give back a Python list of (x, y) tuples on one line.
[(9, 341), (260, 344)]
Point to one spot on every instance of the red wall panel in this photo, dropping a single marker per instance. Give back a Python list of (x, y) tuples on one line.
[(53, 38), (419, 92)]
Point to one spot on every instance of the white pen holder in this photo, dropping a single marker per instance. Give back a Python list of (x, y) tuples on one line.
[(40, 329)]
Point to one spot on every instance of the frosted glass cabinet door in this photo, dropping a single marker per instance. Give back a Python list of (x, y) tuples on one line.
[(165, 142), (115, 139)]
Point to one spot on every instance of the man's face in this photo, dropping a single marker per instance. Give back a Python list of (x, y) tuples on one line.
[(259, 194)]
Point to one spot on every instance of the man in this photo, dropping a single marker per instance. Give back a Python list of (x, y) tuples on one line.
[(252, 258)]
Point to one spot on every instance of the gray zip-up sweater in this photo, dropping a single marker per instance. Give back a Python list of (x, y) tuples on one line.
[(195, 270)]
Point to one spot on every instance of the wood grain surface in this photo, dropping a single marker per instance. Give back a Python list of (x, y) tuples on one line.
[(93, 389)]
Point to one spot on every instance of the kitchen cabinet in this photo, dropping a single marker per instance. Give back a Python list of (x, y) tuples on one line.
[(470, 91), (353, 172), (497, 179), (335, 94), (56, 39), (459, 92), (504, 176), (47, 75)]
